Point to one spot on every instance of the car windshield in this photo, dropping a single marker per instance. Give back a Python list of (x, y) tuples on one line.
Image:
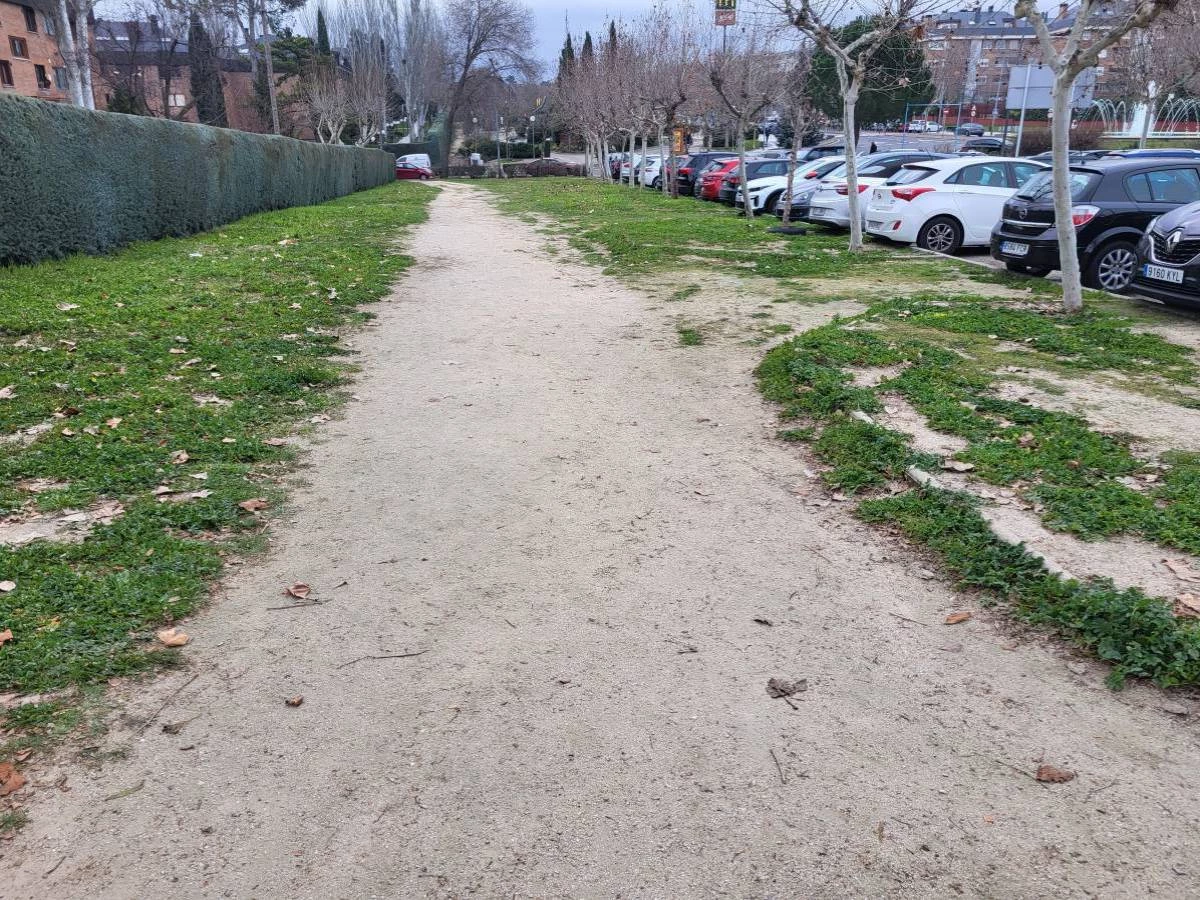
[(910, 175), (840, 170), (1039, 188)]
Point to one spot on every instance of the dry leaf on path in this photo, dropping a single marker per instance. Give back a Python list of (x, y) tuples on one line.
[(7, 587), (294, 701), (173, 637), (785, 687), (954, 465), (254, 504), (10, 779), (1054, 775), (274, 442), (299, 590), (955, 618), (1181, 570), (1185, 605)]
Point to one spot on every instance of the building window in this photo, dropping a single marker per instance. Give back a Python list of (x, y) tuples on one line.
[(30, 19), (6, 79), (178, 100), (60, 78), (48, 24), (19, 48), (43, 81)]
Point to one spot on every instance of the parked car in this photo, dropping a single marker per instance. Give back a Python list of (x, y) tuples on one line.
[(916, 126), (821, 151), (417, 159), (614, 164), (830, 204), (971, 129), (932, 126), (688, 174), (1113, 202), (804, 185), (651, 172), (407, 171), (1074, 157), (1168, 263), (709, 185), (755, 168), (628, 167), (993, 146), (946, 204), (1159, 152)]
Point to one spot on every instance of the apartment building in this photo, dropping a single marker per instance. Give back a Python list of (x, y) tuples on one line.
[(971, 53), (30, 63)]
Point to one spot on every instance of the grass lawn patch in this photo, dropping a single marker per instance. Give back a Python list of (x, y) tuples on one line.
[(156, 384)]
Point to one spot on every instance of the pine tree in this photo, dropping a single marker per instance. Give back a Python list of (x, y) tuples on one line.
[(566, 59), (322, 34), (207, 92), (586, 53), (612, 37)]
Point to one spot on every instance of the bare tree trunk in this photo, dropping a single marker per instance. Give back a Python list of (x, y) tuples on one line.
[(84, 55), (791, 182), (849, 102), (1060, 133), (662, 162), (645, 151), (270, 67), (66, 46), (744, 183)]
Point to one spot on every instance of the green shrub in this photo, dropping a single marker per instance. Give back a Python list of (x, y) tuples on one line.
[(75, 180)]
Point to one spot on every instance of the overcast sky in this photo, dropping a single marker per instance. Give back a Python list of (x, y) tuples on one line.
[(584, 15)]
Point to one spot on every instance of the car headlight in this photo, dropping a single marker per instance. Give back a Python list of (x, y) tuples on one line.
[(1153, 222)]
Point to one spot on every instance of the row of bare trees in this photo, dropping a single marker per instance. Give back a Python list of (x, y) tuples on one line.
[(668, 66)]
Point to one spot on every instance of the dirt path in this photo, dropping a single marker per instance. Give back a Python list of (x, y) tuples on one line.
[(554, 504)]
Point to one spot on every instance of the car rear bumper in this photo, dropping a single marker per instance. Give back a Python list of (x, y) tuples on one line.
[(1042, 253), (886, 224), (833, 214)]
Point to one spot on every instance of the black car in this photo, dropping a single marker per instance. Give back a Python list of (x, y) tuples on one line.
[(755, 168), (1168, 263), (1074, 157), (808, 179), (809, 154), (971, 129), (993, 146), (685, 178), (1113, 202)]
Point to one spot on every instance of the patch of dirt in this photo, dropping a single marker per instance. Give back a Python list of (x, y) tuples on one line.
[(1158, 424), (900, 415), (27, 436), (69, 526), (874, 376)]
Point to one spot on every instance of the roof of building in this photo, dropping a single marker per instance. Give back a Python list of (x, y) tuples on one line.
[(994, 21)]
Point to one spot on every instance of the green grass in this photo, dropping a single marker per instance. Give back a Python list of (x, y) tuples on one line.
[(206, 346), (12, 821), (689, 337)]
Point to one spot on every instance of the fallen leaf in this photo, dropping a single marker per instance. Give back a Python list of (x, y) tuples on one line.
[(8, 392), (1185, 604), (113, 422), (254, 504), (66, 307), (228, 440), (5, 636), (24, 754), (1026, 439), (989, 820), (163, 489), (318, 419), (67, 432), (954, 465), (173, 637), (179, 457), (761, 621), (274, 442), (199, 476), (7, 587), (10, 779), (299, 590), (783, 687), (1181, 570), (1054, 775), (294, 701), (955, 618), (91, 429)]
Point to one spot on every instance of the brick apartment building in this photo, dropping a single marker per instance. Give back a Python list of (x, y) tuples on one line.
[(971, 53), (30, 63)]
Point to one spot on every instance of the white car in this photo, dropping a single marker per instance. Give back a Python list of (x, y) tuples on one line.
[(830, 203), (417, 159), (945, 204), (628, 166), (765, 193)]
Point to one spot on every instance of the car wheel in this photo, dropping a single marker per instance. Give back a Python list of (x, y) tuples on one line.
[(941, 235), (1020, 269), (1111, 267), (656, 184), (772, 202)]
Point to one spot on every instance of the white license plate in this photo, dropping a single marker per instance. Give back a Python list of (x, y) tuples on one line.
[(1162, 273), (871, 223), (817, 211), (1014, 248)]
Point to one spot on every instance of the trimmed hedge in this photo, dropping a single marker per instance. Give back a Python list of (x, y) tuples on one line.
[(74, 180)]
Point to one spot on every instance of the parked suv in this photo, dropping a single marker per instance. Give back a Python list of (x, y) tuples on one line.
[(1113, 202), (755, 168), (1169, 257), (686, 177)]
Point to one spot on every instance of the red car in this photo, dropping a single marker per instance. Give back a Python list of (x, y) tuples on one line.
[(407, 170), (710, 180)]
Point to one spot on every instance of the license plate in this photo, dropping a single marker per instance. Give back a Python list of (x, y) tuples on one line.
[(1162, 273), (873, 224), (817, 211), (1014, 248)]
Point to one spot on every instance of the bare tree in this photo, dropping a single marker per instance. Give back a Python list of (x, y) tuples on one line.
[(1067, 58), (746, 75), (74, 46), (853, 54), (419, 48), (798, 107), (484, 37)]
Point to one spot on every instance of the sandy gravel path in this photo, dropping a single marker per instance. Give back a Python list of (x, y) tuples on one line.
[(555, 505)]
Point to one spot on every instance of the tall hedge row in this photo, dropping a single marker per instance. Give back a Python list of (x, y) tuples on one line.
[(74, 180)]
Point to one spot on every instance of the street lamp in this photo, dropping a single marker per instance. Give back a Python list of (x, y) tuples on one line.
[(533, 129)]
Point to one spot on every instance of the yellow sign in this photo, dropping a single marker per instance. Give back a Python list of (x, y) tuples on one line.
[(726, 4)]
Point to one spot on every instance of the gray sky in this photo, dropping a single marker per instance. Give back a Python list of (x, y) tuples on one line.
[(585, 15)]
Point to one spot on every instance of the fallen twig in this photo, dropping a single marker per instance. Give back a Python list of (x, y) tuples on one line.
[(54, 868), (125, 793), (384, 656), (167, 702), (782, 777), (313, 602), (907, 619)]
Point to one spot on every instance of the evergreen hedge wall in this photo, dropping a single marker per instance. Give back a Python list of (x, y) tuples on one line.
[(74, 180)]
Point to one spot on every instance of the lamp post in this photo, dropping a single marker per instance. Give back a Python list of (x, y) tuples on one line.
[(533, 130)]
